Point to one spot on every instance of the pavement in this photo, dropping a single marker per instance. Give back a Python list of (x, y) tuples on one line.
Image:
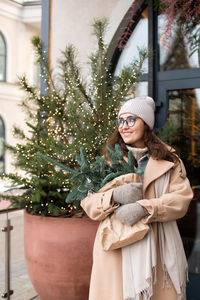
[(20, 282)]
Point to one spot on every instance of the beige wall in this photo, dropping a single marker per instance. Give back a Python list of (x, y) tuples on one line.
[(18, 24), (71, 24)]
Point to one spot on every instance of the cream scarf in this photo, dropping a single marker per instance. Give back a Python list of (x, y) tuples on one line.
[(139, 259)]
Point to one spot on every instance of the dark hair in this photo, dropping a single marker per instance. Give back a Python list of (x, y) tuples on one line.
[(157, 148)]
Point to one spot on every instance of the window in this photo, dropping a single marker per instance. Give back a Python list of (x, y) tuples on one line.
[(130, 42), (2, 139), (2, 58), (130, 51), (184, 112), (174, 48)]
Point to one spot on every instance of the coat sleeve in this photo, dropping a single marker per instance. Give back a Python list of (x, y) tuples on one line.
[(174, 204), (99, 205)]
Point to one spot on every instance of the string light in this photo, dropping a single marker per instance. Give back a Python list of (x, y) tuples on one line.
[(69, 115)]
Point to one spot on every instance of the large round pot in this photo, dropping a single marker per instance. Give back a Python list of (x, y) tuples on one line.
[(58, 254)]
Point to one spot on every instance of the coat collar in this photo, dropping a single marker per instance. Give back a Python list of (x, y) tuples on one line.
[(155, 169)]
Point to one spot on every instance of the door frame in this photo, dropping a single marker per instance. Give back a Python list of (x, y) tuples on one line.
[(172, 80)]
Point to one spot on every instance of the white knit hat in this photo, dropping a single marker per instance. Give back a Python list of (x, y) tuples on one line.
[(143, 107)]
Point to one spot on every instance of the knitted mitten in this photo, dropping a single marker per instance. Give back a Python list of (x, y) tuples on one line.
[(128, 193), (130, 213)]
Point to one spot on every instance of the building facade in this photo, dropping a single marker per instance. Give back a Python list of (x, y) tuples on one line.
[(19, 22)]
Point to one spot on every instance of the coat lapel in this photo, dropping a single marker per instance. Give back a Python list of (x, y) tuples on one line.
[(155, 169)]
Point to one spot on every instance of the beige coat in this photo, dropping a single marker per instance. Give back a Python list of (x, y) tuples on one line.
[(106, 278)]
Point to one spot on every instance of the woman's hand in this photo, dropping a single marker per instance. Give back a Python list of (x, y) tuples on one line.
[(128, 193), (130, 213)]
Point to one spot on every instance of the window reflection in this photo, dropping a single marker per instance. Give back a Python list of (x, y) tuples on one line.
[(184, 109), (174, 48), (2, 136), (184, 113), (130, 52), (2, 58)]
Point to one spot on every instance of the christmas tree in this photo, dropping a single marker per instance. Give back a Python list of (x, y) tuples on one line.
[(71, 113)]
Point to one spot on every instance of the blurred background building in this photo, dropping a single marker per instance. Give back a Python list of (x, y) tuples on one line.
[(19, 22)]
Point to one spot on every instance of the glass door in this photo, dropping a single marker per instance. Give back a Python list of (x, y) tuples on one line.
[(184, 116)]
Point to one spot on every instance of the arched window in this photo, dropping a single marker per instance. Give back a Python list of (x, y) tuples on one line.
[(132, 34), (3, 58), (2, 139)]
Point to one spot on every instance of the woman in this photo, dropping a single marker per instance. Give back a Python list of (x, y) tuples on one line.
[(154, 268)]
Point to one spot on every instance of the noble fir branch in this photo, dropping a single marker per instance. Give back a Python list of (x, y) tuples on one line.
[(58, 164), (99, 28), (42, 60), (16, 181), (29, 111), (99, 31), (71, 71), (126, 83), (93, 176), (15, 201), (31, 91)]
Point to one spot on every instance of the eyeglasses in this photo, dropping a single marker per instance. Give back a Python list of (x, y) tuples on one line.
[(130, 122)]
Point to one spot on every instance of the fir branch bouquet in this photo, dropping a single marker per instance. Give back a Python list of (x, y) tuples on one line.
[(90, 177)]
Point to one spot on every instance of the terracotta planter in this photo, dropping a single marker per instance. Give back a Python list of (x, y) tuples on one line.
[(58, 254)]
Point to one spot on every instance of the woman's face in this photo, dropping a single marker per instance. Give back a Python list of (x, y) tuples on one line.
[(133, 136)]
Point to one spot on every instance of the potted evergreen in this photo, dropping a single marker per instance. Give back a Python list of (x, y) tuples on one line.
[(72, 113)]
